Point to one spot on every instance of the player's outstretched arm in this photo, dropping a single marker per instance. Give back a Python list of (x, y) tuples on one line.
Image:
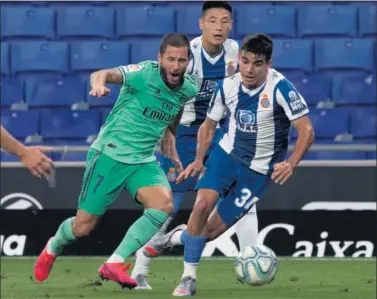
[(283, 170), (32, 157), (10, 144), (99, 79), (205, 136)]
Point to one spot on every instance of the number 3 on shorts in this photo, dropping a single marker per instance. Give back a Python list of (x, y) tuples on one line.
[(100, 179), (245, 196)]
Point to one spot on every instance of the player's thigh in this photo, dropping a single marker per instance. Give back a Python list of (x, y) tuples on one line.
[(103, 180), (220, 173), (250, 187), (149, 186)]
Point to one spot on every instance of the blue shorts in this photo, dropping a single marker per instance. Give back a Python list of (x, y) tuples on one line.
[(186, 147), (239, 187)]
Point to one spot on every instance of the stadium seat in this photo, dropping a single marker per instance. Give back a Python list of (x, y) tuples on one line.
[(82, 22), (371, 155), (104, 114), (144, 50), (144, 21), (122, 4), (94, 55), (357, 90), (34, 56), (313, 88), (368, 21), (69, 155), (364, 122), (259, 18), (187, 20), (27, 22), (7, 157), (12, 91), (344, 54), (64, 123), (107, 101), (335, 155), (327, 21), (328, 123), (62, 92), (293, 55), (21, 123), (4, 59)]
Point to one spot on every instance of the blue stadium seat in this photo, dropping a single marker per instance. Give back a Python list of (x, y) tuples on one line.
[(61, 123), (34, 56), (122, 4), (7, 157), (344, 54), (4, 59), (145, 50), (368, 21), (21, 123), (327, 21), (83, 22), (187, 19), (144, 21), (104, 114), (335, 155), (39, 3), (94, 55), (62, 92), (328, 123), (108, 101), (259, 18), (27, 22), (293, 55), (364, 122), (371, 156), (357, 90), (69, 155), (313, 88), (12, 91)]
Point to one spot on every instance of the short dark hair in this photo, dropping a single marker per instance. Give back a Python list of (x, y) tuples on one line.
[(259, 44), (174, 40), (216, 4)]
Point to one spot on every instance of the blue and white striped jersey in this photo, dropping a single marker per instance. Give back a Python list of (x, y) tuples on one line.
[(208, 71), (259, 120)]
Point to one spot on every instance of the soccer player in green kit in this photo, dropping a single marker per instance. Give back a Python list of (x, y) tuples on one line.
[(150, 102)]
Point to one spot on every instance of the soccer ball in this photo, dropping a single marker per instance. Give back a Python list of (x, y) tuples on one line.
[(256, 265)]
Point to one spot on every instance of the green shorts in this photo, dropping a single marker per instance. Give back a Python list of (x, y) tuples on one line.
[(105, 178)]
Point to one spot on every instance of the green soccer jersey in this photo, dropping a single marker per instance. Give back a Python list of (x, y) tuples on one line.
[(144, 109)]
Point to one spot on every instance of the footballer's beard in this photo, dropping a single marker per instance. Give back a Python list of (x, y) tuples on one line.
[(164, 75)]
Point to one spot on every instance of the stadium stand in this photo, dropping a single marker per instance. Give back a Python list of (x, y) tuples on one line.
[(49, 49)]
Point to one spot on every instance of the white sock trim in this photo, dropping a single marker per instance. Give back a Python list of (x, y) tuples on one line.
[(189, 270), (114, 258)]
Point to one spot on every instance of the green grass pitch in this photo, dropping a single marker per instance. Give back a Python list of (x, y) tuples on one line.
[(296, 279)]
